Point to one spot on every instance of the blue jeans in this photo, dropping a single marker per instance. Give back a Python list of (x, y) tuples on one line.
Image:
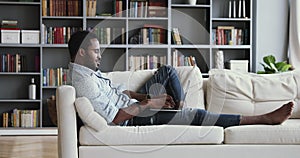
[(167, 81)]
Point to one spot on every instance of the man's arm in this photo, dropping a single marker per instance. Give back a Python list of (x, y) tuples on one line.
[(140, 97), (137, 96), (133, 110)]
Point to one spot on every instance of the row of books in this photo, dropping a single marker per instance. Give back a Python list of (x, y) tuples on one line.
[(21, 118), (147, 8), (140, 62), (178, 59), (229, 35), (110, 35), (138, 9), (12, 63), (58, 35), (55, 76), (61, 7), (91, 7), (118, 8), (151, 34)]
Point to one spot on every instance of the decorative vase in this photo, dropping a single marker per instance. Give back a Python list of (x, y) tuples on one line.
[(219, 59)]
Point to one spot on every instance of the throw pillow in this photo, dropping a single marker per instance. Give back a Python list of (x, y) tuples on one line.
[(88, 115)]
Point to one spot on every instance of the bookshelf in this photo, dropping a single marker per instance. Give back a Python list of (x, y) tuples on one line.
[(124, 27)]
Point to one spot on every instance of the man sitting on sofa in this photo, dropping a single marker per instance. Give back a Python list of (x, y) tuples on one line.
[(122, 107)]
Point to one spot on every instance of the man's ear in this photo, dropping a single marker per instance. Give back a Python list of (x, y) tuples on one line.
[(81, 52)]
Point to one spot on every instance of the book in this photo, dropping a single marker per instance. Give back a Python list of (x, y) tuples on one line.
[(176, 36), (234, 9), (244, 9), (240, 9), (229, 9)]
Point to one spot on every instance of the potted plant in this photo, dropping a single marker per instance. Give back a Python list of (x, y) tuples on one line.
[(271, 66)]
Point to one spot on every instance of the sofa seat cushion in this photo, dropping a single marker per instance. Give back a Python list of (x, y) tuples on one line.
[(252, 94), (133, 80), (151, 135), (286, 133)]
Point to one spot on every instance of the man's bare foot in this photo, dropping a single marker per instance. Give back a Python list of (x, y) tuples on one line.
[(273, 118)]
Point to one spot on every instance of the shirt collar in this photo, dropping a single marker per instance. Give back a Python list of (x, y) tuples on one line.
[(83, 69)]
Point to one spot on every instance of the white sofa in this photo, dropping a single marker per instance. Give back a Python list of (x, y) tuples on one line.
[(223, 92)]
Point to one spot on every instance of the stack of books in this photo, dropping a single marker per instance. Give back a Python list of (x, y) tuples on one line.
[(9, 25)]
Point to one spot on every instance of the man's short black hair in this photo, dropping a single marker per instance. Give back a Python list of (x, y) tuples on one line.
[(79, 39)]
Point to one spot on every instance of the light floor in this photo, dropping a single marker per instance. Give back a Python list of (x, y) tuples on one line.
[(28, 147)]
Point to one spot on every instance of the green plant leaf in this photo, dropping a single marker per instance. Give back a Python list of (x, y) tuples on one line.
[(269, 59), (273, 67), (261, 72), (286, 67), (280, 65)]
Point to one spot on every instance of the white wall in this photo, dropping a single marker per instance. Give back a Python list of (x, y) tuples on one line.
[(270, 30)]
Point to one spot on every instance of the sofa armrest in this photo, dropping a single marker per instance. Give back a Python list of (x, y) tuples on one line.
[(67, 124)]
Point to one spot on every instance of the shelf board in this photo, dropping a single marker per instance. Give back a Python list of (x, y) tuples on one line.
[(148, 46), (191, 46), (104, 46), (55, 45), (105, 18), (49, 87), (62, 17), (148, 18), (231, 46), (20, 3), (19, 100), (19, 45), (231, 19), (28, 131), (190, 6), (20, 73)]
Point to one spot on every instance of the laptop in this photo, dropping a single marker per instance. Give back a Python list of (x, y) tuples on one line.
[(184, 102)]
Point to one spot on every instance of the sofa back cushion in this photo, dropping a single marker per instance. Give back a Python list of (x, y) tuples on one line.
[(133, 80), (252, 94)]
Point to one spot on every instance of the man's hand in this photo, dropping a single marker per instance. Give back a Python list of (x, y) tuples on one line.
[(165, 99), (158, 102)]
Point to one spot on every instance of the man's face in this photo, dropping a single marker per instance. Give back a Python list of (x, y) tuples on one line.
[(93, 55)]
